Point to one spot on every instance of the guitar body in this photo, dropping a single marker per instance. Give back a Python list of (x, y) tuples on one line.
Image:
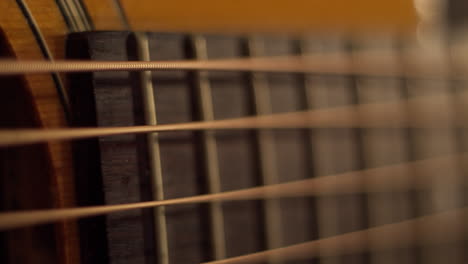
[(41, 171), (115, 170)]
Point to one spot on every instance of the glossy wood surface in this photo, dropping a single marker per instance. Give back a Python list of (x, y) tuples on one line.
[(45, 101), (105, 14), (270, 15), (205, 15), (254, 16)]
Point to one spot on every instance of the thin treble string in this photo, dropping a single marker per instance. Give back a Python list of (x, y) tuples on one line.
[(412, 175), (418, 231), (427, 111), (371, 65)]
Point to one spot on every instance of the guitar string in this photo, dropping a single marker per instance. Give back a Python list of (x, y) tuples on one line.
[(371, 64), (419, 231), (433, 111), (265, 145), (399, 177), (274, 253)]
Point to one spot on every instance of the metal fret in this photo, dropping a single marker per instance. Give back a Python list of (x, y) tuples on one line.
[(266, 148), (335, 149), (325, 207), (383, 147), (210, 152), (358, 202), (153, 150)]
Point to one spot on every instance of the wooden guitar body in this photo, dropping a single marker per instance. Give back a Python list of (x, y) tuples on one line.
[(40, 171), (122, 169)]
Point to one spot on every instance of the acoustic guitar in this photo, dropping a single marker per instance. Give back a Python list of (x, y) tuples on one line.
[(177, 132)]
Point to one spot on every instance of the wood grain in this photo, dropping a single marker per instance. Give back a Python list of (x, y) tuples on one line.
[(24, 245), (45, 101)]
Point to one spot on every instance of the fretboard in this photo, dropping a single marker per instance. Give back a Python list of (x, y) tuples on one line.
[(132, 168)]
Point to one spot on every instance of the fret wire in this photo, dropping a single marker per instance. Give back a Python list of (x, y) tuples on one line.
[(382, 148), (410, 138), (360, 203), (326, 209), (266, 148), (321, 208), (154, 154), (210, 151)]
